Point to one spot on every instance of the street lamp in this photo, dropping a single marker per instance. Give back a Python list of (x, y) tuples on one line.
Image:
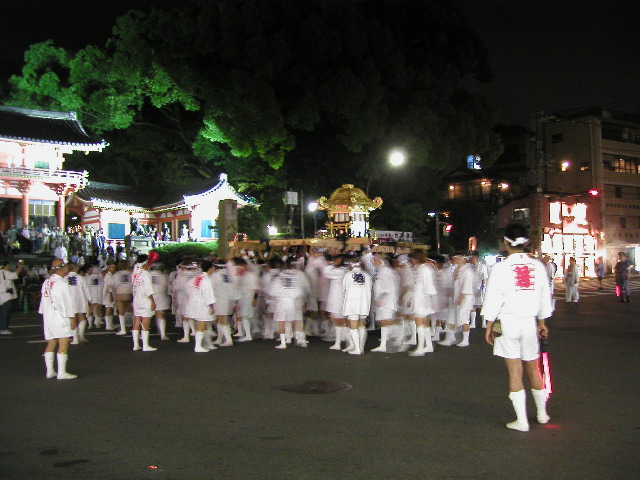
[(313, 207), (396, 158)]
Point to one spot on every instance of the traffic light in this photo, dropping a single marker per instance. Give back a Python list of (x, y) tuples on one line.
[(446, 229)]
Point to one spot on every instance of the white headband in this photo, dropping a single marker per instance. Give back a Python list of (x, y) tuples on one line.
[(517, 242)]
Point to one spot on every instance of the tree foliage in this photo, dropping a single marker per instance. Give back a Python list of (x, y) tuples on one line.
[(270, 91)]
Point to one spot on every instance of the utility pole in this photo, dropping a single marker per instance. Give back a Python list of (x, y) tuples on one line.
[(301, 215)]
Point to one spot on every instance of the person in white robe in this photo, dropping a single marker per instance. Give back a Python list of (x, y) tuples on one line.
[(200, 306), (518, 296), (289, 291), (59, 319), (386, 295), (80, 295), (144, 305), (357, 303), (424, 292)]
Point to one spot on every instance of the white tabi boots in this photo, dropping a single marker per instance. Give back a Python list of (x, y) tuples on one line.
[(225, 332), (339, 335), (384, 336), (421, 343), (246, 325), (198, 343), (145, 342), (465, 340), (82, 327), (185, 330), (109, 323), (283, 342), (49, 360), (449, 338), (62, 367), (135, 335), (161, 325), (540, 399), (411, 325), (301, 340), (123, 328), (437, 330), (355, 338), (519, 401)]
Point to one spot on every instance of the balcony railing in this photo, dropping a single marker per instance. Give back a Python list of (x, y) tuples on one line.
[(45, 175)]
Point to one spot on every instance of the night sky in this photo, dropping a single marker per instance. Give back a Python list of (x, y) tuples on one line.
[(546, 55)]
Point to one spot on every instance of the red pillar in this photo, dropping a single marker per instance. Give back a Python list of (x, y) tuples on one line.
[(25, 210), (61, 200)]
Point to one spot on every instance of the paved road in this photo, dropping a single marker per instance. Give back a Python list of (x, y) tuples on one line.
[(221, 415)]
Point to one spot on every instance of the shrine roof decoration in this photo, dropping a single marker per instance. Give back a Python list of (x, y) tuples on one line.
[(351, 198), (148, 199), (39, 126)]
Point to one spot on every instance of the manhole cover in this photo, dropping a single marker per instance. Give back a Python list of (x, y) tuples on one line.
[(315, 386)]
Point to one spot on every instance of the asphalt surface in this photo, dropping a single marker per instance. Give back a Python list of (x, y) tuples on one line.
[(174, 414)]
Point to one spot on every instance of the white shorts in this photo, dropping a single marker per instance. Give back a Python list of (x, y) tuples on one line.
[(384, 314), (463, 314), (287, 311), (143, 312), (57, 328), (519, 339)]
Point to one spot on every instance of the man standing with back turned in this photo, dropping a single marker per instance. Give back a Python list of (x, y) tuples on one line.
[(59, 316), (518, 296)]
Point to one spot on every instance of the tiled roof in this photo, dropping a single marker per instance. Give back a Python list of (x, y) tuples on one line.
[(145, 198), (61, 128)]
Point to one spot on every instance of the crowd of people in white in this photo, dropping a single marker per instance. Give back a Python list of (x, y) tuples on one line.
[(340, 297)]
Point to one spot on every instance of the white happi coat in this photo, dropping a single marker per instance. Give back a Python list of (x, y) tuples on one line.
[(224, 291), (122, 282), (463, 286), (386, 289), (160, 281), (289, 290), (335, 295), (265, 286), (357, 292), (56, 308), (180, 282), (443, 279), (247, 286), (142, 288), (79, 291), (108, 290), (199, 297), (95, 282), (518, 288), (424, 291)]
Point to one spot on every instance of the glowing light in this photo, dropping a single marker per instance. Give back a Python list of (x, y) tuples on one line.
[(152, 467), (504, 185), (451, 187), (547, 374), (593, 192), (313, 206), (396, 159), (484, 183), (564, 166), (272, 230)]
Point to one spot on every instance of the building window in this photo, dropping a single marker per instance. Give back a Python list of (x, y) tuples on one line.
[(473, 162), (521, 215), (619, 133), (623, 222), (618, 193)]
